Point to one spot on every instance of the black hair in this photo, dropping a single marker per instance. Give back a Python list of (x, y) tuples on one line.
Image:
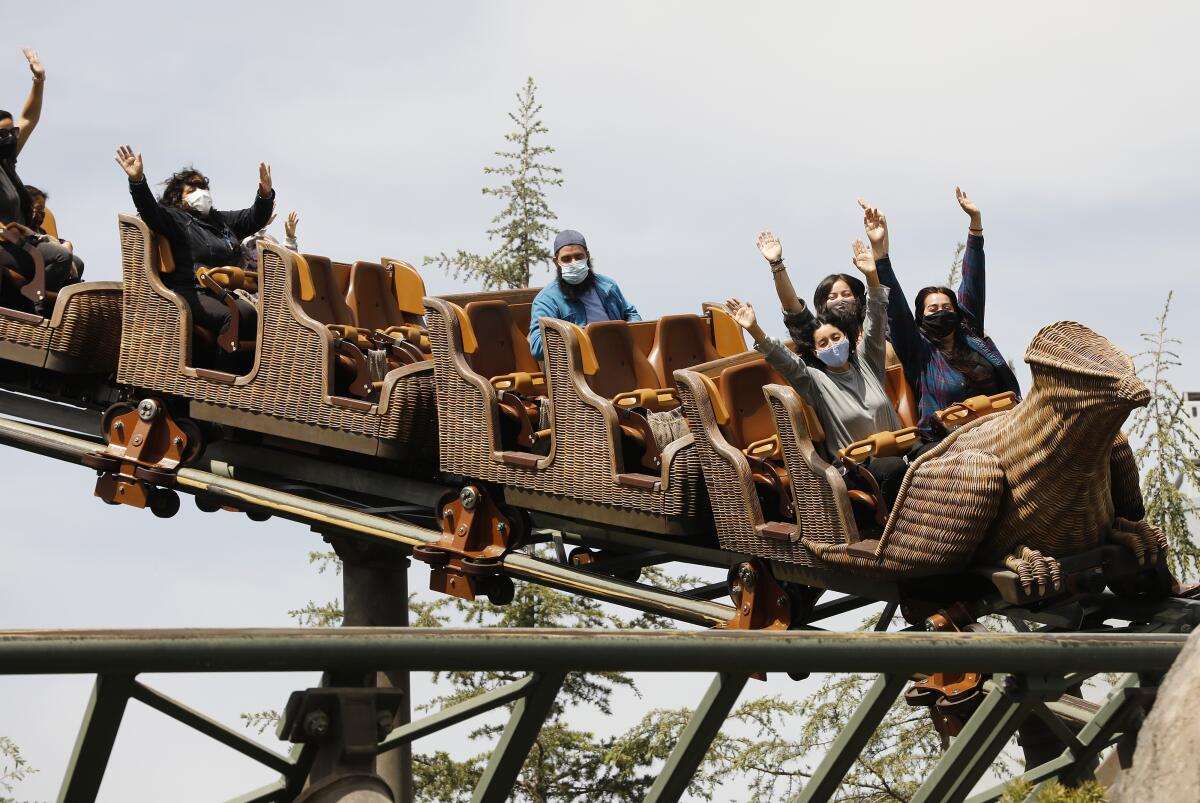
[(821, 294), (6, 115), (806, 344), (173, 187), (34, 192), (574, 292)]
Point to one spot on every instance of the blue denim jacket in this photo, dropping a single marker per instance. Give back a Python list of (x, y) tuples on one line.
[(551, 303)]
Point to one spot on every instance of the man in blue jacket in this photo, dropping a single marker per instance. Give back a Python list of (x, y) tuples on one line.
[(578, 294)]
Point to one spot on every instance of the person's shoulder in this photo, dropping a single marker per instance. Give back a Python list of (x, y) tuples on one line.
[(551, 293)]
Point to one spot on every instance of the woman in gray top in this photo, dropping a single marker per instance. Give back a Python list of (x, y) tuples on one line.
[(846, 388)]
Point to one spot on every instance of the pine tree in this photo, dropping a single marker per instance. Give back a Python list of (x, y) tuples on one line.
[(1169, 451), (522, 226), (13, 767)]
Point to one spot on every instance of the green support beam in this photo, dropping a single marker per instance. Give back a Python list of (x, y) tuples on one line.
[(853, 737), (523, 727), (97, 733), (697, 737), (210, 728), (459, 712)]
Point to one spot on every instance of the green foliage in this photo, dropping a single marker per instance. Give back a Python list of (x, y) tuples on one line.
[(956, 266), (522, 226), (260, 721), (14, 768), (1169, 451), (1089, 792)]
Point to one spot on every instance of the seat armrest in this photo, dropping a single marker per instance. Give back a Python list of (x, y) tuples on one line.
[(767, 448), (656, 400), (976, 407), (521, 383), (881, 444)]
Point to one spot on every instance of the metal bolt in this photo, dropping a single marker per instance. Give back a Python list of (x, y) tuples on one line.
[(462, 529), (316, 724), (930, 626), (148, 409), (746, 574), (502, 528), (120, 428), (469, 497), (137, 439), (782, 601), (178, 442), (746, 609)]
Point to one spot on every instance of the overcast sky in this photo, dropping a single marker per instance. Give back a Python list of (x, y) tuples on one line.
[(682, 128)]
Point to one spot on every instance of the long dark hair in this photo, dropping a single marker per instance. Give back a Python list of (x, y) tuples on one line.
[(806, 345), (821, 294), (925, 292), (173, 187), (574, 292)]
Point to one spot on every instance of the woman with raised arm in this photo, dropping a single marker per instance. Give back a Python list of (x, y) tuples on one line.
[(201, 237), (947, 357), (838, 295), (20, 239), (844, 379)]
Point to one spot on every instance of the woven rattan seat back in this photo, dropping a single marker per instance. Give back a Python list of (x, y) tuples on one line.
[(502, 348), (327, 305), (622, 365), (371, 298), (750, 417), (682, 341)]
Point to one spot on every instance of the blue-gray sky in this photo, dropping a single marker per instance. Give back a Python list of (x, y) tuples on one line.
[(682, 129)]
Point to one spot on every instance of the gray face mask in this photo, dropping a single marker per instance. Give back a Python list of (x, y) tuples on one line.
[(575, 272)]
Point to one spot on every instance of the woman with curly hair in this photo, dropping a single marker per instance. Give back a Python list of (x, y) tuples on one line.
[(200, 237)]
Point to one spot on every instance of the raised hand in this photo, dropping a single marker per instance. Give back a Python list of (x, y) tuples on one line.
[(875, 224), (864, 260), (289, 227), (970, 207), (35, 65), (742, 312), (770, 247), (264, 179), (130, 162)]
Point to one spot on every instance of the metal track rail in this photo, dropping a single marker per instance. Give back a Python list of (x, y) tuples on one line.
[(324, 516)]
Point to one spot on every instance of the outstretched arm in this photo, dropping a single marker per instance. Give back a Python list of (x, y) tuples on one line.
[(972, 292), (873, 348), (778, 356), (248, 221), (150, 210), (902, 326), (796, 315), (33, 105)]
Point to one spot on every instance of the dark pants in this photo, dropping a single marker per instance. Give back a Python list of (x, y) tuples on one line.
[(889, 473), (211, 313), (62, 268)]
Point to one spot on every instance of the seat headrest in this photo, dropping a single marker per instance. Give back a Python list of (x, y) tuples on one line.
[(308, 290), (49, 224), (410, 288), (587, 354), (470, 344)]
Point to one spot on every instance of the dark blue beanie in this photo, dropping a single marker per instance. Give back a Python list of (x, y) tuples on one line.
[(568, 237)]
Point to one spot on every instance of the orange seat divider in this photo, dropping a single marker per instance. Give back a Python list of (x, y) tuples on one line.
[(470, 344), (410, 288), (714, 396), (728, 337), (587, 354), (49, 224)]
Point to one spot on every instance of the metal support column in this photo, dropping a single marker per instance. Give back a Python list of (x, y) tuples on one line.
[(696, 738), (522, 730), (849, 743), (97, 733), (375, 594)]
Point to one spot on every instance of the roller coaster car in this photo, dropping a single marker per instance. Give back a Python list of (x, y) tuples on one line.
[(954, 534), (597, 456), (290, 390), (81, 334)]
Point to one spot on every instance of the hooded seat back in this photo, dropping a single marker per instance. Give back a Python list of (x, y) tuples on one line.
[(370, 297), (621, 364), (682, 341), (502, 348), (327, 304)]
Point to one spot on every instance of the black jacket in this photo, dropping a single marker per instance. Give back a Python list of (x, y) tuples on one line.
[(200, 242)]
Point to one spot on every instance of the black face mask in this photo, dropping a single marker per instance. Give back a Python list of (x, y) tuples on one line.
[(846, 308), (937, 325), (8, 142)]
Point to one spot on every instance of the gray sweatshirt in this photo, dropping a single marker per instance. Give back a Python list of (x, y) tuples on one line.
[(851, 405)]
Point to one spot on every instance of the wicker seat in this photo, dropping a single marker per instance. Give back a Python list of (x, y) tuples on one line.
[(373, 305), (502, 355), (317, 291)]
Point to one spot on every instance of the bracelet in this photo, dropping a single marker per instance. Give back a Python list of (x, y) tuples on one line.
[(974, 231), (776, 270)]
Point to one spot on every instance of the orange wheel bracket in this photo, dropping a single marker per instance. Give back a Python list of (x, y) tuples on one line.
[(476, 533)]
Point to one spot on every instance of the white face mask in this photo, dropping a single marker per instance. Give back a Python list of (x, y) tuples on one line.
[(199, 200), (575, 272)]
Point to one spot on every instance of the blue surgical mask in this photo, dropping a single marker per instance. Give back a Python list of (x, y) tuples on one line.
[(836, 355), (575, 272)]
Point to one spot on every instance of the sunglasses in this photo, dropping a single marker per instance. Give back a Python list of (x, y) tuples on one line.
[(198, 183)]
